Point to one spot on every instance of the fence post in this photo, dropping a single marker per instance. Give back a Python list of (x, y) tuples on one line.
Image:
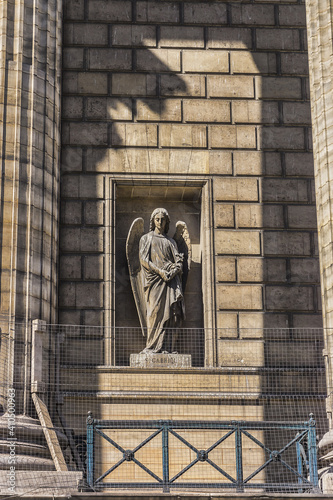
[(299, 464), (90, 450), (165, 456), (313, 467), (239, 458), (39, 358)]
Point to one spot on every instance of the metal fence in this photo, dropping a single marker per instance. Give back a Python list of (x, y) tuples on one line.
[(300, 466), (52, 375)]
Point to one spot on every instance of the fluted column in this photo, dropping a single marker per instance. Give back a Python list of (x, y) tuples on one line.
[(30, 76), (320, 40)]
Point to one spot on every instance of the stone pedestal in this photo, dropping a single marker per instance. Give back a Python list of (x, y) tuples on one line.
[(160, 361)]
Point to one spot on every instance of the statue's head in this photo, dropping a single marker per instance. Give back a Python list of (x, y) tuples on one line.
[(157, 211)]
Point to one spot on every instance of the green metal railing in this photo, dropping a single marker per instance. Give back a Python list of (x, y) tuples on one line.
[(304, 474)]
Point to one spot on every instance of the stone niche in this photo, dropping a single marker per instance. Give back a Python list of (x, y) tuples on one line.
[(183, 202)]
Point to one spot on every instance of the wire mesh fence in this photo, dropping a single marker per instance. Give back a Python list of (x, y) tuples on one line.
[(52, 376)]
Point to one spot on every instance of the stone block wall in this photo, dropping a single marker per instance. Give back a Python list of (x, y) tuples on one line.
[(178, 92)]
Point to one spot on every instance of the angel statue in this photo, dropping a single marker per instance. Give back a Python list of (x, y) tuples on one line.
[(158, 268)]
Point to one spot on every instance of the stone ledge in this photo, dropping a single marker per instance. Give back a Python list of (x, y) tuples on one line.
[(44, 484)]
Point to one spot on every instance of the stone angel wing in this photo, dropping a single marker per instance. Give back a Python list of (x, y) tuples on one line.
[(182, 238), (135, 272)]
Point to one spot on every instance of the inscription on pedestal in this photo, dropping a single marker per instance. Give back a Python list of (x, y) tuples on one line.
[(160, 360)]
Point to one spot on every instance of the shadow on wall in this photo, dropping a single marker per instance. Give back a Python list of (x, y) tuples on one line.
[(193, 106)]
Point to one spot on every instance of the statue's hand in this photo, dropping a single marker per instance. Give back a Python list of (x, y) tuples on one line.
[(165, 275), (176, 269), (179, 258)]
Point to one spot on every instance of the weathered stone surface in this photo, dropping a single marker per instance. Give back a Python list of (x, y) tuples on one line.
[(108, 10), (284, 190), (85, 83), (237, 242), (248, 162), (289, 298), (252, 14), (71, 159), (183, 136), (239, 297), (278, 39), (105, 108), (229, 38), (242, 353), (227, 325), (158, 60), (304, 271), (205, 12), (255, 111), (299, 164), (255, 215), (268, 87), (72, 107), (86, 134), (82, 240), (296, 112), (183, 85), (237, 189), (159, 110), (206, 110), (220, 162), (89, 295), (72, 58), (292, 15), (134, 35), (232, 136), (74, 10), (212, 61), (134, 134), (230, 86), (225, 269), (93, 267), (50, 481), (300, 216), (247, 62), (305, 322), (78, 34), (294, 63), (160, 360), (158, 161), (110, 59), (251, 325), (261, 270), (70, 267), (94, 213), (282, 243), (71, 212), (224, 215), (67, 294), (181, 36), (160, 12), (133, 84)]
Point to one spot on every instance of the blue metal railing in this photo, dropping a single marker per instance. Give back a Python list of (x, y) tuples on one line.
[(304, 474)]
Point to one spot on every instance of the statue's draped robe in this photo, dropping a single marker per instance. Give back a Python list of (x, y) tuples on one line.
[(159, 252)]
